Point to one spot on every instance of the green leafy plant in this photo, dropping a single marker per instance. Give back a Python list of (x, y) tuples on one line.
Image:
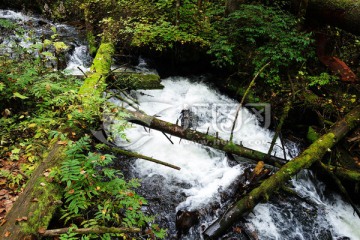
[(100, 193), (262, 34), (321, 80)]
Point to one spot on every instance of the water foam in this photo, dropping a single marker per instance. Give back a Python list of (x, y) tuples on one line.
[(205, 173), (205, 170)]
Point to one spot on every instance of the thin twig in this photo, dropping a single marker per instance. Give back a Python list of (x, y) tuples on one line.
[(278, 128), (82, 72), (167, 137), (243, 99)]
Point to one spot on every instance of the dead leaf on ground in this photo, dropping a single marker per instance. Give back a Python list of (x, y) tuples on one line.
[(42, 230), (2, 222), (62, 142), (3, 192), (7, 234), (21, 219), (2, 181), (8, 205)]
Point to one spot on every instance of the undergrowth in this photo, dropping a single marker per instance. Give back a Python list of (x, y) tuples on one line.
[(39, 104)]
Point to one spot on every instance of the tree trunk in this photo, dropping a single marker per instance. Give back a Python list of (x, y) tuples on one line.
[(262, 193), (200, 138), (33, 210)]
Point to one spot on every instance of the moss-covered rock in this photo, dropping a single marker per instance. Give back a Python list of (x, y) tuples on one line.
[(135, 81)]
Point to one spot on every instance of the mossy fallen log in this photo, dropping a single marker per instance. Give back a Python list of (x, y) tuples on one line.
[(134, 81), (94, 84), (95, 230), (200, 138), (34, 208), (348, 174), (312, 154)]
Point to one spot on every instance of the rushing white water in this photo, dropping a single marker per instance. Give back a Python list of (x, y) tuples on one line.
[(206, 170), (79, 59), (206, 173), (9, 14), (36, 28)]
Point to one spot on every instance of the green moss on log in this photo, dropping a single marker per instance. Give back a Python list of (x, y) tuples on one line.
[(38, 202), (45, 193), (102, 61), (94, 85), (137, 80), (312, 135)]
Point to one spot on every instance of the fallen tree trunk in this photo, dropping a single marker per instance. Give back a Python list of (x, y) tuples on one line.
[(200, 138), (33, 210), (352, 175), (35, 206), (262, 193), (95, 230)]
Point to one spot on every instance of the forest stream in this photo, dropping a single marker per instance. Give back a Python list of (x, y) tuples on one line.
[(207, 181)]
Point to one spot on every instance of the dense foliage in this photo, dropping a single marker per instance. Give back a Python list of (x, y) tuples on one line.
[(39, 105)]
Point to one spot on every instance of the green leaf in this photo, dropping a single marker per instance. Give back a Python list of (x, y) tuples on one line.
[(60, 46), (18, 95)]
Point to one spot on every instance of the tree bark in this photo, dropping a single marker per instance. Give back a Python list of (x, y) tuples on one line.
[(35, 206), (262, 193), (200, 138)]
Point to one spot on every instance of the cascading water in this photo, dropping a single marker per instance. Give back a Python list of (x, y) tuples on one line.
[(206, 174), (37, 28), (207, 177)]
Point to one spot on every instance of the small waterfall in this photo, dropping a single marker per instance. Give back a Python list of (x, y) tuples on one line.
[(80, 58), (8, 14), (37, 28)]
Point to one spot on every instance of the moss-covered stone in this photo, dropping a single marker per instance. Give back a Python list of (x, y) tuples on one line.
[(137, 80)]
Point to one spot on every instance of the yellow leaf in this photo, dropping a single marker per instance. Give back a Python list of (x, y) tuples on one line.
[(69, 116), (62, 142), (32, 125)]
